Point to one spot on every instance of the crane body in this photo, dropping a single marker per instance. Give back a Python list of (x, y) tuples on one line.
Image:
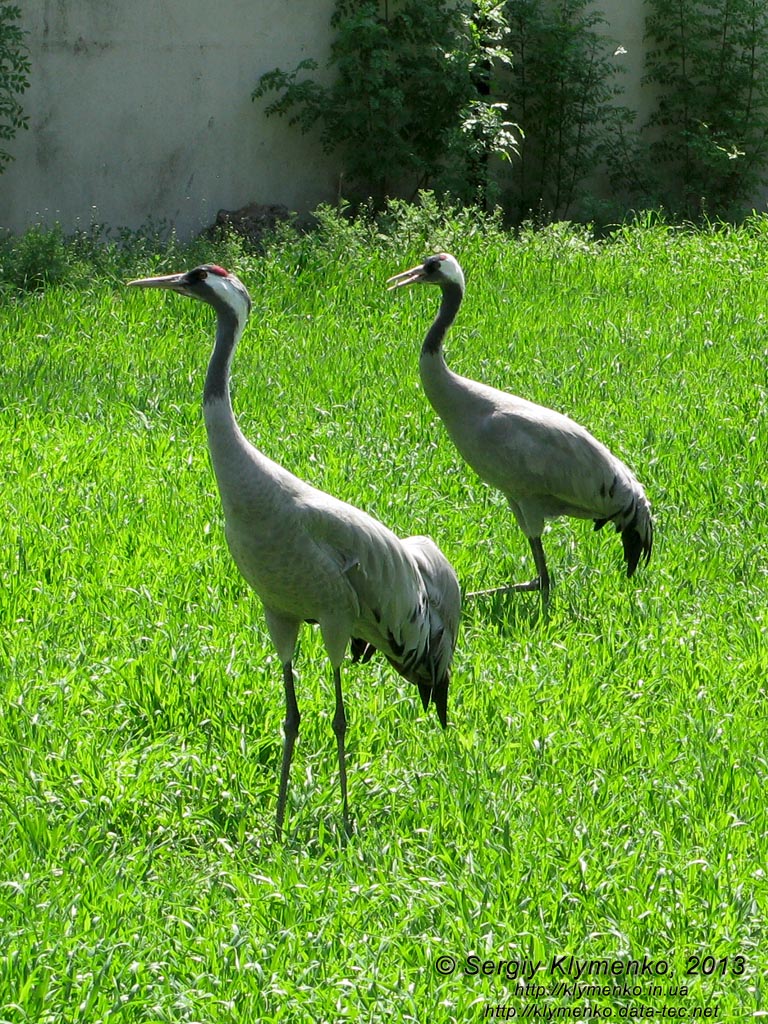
[(544, 463), (313, 558)]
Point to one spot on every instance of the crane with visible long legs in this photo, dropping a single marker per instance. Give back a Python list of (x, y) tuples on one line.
[(313, 558), (544, 463)]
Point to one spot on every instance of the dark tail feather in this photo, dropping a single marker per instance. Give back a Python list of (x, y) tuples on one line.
[(361, 650), (636, 546), (633, 548), (437, 695), (425, 692), (636, 536), (440, 700)]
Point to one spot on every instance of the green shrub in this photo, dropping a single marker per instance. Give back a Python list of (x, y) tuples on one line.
[(409, 105), (709, 131), (14, 71), (35, 259), (563, 90)]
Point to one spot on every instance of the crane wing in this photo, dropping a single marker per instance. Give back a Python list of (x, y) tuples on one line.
[(530, 452), (547, 465), (407, 593), (389, 594), (444, 596)]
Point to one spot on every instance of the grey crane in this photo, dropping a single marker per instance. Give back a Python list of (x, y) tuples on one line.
[(313, 558), (544, 463)]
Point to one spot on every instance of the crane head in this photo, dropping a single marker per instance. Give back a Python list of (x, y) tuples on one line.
[(208, 283), (440, 269)]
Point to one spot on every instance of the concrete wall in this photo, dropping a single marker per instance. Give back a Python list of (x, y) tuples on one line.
[(626, 26), (141, 108)]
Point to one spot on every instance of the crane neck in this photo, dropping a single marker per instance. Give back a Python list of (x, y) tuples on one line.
[(228, 331), (452, 294)]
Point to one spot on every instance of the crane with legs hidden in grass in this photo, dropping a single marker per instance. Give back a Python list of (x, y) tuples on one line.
[(544, 463), (313, 558)]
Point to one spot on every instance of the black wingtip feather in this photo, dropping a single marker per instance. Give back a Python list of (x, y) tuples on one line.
[(636, 536), (440, 700), (361, 650), (636, 547), (437, 695)]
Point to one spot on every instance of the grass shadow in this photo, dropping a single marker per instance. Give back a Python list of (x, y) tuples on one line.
[(508, 612)]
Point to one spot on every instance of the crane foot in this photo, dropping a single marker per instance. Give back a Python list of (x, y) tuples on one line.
[(529, 587)]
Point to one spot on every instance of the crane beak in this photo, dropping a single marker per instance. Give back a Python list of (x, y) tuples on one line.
[(173, 282), (412, 276)]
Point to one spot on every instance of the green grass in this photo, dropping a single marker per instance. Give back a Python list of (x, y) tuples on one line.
[(601, 790)]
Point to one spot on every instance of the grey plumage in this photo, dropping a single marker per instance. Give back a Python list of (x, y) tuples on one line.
[(544, 463), (313, 558)]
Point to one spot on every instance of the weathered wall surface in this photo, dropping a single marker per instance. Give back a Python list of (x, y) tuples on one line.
[(626, 26), (141, 109)]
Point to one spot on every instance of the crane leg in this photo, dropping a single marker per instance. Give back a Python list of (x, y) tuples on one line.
[(290, 732), (339, 729), (541, 567), (540, 581)]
